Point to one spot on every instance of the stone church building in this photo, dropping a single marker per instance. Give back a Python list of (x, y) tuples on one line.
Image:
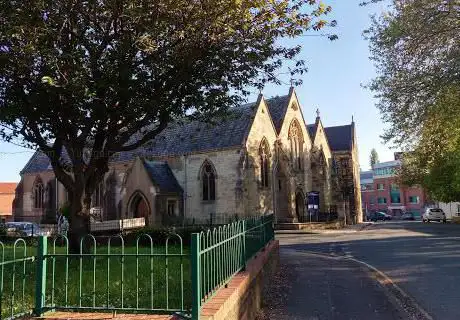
[(262, 158)]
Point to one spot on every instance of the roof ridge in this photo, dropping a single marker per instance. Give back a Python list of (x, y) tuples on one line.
[(338, 126)]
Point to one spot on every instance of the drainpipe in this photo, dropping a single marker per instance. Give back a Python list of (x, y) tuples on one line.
[(57, 194), (185, 195), (274, 184)]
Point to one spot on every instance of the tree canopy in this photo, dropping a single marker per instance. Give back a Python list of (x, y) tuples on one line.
[(373, 158), (88, 76), (416, 49)]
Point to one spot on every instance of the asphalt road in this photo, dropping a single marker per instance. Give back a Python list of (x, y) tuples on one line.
[(422, 259)]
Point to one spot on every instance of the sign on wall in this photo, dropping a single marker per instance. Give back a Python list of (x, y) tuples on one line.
[(313, 200)]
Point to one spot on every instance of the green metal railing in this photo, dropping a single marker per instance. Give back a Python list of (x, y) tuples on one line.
[(109, 275), (16, 270), (114, 278), (220, 253)]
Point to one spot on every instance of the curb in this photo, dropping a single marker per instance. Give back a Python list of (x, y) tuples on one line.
[(325, 231), (402, 300)]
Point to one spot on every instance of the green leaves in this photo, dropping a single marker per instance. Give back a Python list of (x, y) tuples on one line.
[(434, 162), (373, 158), (415, 48), (97, 72)]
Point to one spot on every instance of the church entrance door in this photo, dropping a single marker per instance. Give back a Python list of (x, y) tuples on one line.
[(300, 206), (140, 208), (281, 196)]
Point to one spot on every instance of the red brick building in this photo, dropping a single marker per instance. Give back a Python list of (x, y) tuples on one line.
[(7, 192), (380, 191)]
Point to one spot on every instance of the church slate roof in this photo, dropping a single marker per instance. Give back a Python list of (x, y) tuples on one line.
[(196, 136), (340, 138), (179, 139), (39, 162), (162, 176), (311, 130), (277, 107)]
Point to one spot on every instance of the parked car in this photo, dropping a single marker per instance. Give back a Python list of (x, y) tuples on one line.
[(434, 214), (376, 216), (408, 216), (23, 229)]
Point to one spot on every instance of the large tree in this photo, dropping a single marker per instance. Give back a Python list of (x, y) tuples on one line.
[(435, 160), (416, 50), (373, 157), (88, 79)]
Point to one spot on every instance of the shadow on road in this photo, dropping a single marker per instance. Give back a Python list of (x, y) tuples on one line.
[(423, 259)]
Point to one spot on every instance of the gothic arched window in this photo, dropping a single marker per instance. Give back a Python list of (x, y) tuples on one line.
[(208, 181), (39, 193), (264, 153), (322, 164), (98, 195), (296, 140)]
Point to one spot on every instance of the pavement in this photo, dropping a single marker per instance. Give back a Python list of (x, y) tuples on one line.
[(422, 260)]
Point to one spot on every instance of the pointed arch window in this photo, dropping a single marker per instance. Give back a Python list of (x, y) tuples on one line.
[(264, 154), (39, 194), (322, 164), (208, 182), (98, 195), (296, 141)]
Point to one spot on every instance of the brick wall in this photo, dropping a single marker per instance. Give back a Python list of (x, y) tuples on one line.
[(242, 298)]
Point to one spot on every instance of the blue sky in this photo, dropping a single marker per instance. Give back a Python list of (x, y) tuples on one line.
[(333, 84)]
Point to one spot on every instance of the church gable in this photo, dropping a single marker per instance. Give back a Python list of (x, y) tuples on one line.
[(260, 147), (162, 176), (262, 128), (319, 140), (293, 112)]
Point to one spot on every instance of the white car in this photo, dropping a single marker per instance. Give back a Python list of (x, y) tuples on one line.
[(434, 214)]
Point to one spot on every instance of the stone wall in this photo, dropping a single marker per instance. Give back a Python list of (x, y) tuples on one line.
[(321, 177), (187, 170), (256, 198), (298, 181), (138, 182), (302, 178)]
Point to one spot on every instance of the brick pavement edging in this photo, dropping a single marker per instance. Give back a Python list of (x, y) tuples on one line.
[(241, 299), (102, 316)]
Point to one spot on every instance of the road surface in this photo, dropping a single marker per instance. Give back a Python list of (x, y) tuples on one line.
[(422, 259)]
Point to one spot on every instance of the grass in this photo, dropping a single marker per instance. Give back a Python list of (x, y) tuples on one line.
[(145, 284)]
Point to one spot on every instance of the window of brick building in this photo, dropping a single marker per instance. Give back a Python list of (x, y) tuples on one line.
[(414, 199)]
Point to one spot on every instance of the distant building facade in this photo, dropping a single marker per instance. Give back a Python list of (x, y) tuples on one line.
[(7, 193), (452, 209), (381, 191), (263, 158)]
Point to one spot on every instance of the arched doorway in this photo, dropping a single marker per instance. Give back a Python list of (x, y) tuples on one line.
[(280, 185), (300, 206), (139, 207)]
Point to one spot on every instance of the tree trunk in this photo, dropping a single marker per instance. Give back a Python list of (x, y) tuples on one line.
[(79, 221)]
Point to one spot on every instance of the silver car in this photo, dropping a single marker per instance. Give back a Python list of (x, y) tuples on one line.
[(434, 214), (23, 229)]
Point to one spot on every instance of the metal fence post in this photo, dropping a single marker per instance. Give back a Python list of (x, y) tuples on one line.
[(243, 249), (196, 274), (40, 288)]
